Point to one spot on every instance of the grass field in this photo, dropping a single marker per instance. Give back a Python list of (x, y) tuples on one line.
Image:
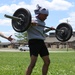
[(15, 63)]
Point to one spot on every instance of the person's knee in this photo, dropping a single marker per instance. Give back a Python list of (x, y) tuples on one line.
[(47, 63), (32, 65)]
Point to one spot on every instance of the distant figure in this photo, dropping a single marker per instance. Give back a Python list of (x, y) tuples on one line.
[(6, 37)]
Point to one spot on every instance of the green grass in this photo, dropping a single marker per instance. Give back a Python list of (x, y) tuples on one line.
[(15, 63)]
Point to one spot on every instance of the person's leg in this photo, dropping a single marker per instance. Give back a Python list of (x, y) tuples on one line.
[(31, 65), (45, 56), (45, 65)]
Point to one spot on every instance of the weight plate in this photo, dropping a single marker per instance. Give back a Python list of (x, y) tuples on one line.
[(23, 24), (63, 32)]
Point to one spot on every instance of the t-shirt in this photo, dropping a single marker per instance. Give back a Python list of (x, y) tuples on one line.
[(36, 32)]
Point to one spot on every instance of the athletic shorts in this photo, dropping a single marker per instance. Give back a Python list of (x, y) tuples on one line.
[(37, 47)]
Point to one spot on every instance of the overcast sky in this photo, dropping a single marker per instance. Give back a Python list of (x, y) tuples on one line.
[(59, 11)]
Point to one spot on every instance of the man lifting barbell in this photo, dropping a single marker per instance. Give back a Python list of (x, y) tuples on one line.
[(36, 37), (22, 21)]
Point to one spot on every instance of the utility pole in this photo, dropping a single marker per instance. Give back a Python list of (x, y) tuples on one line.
[(67, 42), (67, 21)]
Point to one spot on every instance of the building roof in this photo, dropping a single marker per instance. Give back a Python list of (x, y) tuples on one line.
[(5, 43)]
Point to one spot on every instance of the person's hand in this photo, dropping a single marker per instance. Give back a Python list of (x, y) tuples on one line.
[(52, 28), (10, 38), (34, 24)]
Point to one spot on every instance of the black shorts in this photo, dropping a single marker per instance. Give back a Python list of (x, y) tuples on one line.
[(38, 47)]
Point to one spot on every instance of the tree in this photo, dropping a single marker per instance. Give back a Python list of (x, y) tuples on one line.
[(21, 37)]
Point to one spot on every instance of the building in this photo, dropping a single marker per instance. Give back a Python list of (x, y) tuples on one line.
[(52, 42)]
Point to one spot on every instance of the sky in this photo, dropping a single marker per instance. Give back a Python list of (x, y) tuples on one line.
[(59, 11)]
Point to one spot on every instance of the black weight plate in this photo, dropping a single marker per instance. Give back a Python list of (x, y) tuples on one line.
[(26, 16), (66, 35)]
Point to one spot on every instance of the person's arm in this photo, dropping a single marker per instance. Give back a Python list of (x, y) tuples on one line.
[(49, 29), (2, 35), (34, 23), (8, 38)]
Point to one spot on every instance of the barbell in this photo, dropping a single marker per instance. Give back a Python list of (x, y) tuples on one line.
[(21, 21)]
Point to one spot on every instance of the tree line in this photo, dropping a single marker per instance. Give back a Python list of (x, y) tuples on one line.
[(21, 37)]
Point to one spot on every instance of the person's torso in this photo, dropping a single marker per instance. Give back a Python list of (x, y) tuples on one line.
[(36, 32)]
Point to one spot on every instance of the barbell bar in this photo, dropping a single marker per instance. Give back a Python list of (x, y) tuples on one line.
[(21, 21)]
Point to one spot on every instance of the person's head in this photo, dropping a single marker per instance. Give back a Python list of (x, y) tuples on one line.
[(41, 13)]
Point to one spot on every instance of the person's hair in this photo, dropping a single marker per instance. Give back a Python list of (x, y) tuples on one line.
[(41, 10)]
